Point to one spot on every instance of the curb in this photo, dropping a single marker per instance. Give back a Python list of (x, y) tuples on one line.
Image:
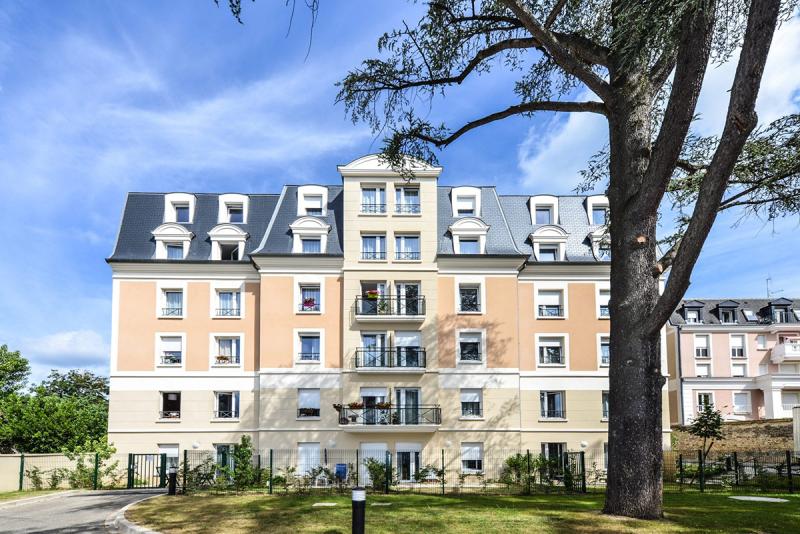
[(117, 521), (28, 500)]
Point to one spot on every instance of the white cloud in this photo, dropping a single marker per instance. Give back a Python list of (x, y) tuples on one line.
[(73, 346)]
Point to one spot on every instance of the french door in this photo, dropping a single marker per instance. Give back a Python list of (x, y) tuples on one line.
[(407, 402)]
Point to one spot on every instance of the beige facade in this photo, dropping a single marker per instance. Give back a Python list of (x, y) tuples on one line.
[(373, 346)]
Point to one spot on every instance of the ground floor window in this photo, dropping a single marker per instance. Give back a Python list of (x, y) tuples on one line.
[(173, 456), (471, 457)]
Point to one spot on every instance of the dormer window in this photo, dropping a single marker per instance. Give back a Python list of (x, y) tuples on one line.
[(314, 205), (693, 312), (469, 246), (179, 208), (548, 253), (310, 235), (597, 210), (235, 213), (727, 316), (780, 315), (549, 243), (174, 251), (232, 208), (469, 236), (466, 201), (311, 245), (172, 241), (600, 215), (312, 200), (544, 215), (692, 316), (465, 206), (227, 242), (543, 209), (228, 251), (181, 212)]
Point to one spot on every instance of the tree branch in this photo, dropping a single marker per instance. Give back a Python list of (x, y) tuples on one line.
[(590, 107), (559, 52), (662, 68), (667, 259), (554, 13), (740, 121)]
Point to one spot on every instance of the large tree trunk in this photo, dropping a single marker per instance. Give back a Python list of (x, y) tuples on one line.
[(635, 484)]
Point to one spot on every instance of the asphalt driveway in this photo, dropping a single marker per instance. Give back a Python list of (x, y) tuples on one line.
[(84, 511)]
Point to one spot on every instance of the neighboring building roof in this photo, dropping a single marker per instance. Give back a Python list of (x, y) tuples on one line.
[(498, 238), (572, 218), (279, 240), (144, 212), (710, 315)]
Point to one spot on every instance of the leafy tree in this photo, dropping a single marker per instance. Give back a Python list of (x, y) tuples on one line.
[(14, 371), (707, 425), (75, 383), (244, 474), (642, 65)]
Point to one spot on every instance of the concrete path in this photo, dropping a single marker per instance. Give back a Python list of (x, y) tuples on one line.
[(84, 511)]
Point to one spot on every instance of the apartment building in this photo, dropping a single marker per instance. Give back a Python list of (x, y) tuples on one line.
[(741, 356), (376, 314)]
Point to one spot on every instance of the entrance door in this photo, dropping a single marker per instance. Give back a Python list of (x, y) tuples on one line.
[(407, 298), (375, 451), (408, 405)]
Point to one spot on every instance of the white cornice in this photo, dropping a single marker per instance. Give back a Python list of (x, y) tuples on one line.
[(174, 270), (565, 271), (477, 263)]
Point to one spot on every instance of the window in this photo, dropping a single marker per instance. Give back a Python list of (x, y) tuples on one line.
[(469, 298), (552, 405), (553, 451), (604, 250), (465, 206), (313, 205), (229, 303), (471, 403), (605, 351), (406, 247), (749, 315), (548, 253), (408, 349), (741, 402), (761, 342), (406, 200), (727, 316), (228, 350), (309, 298), (182, 213), (692, 316), (471, 457), (170, 405), (174, 251), (783, 369), (229, 251), (702, 370), (173, 454), (605, 404), (307, 458), (373, 247), (227, 405), (701, 346), (373, 200), (796, 314), (544, 215), (703, 400), (603, 296), (551, 351), (739, 369), (550, 303), (469, 346), (173, 303), (469, 246), (309, 348), (224, 454), (235, 213), (308, 403), (311, 246), (599, 215), (780, 315), (171, 350), (737, 346), (790, 399)]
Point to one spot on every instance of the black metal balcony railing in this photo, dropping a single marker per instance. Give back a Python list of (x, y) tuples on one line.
[(604, 311), (169, 414), (414, 415), (550, 310), (373, 255), (227, 312), (308, 412), (308, 306), (406, 255), (373, 208), (554, 414), (471, 409), (551, 356), (388, 305), (226, 414), (407, 207), (309, 356), (227, 359), (171, 357), (402, 357), (469, 353), (171, 312)]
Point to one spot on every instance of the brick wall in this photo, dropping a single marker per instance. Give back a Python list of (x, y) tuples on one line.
[(763, 435)]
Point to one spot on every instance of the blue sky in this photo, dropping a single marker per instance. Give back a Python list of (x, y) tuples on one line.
[(100, 98)]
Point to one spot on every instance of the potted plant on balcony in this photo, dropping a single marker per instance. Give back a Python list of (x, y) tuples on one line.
[(223, 359), (355, 405), (308, 412), (383, 405), (309, 304), (372, 294), (337, 407)]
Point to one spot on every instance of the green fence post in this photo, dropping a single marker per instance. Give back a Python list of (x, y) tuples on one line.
[(583, 472), (162, 471), (130, 470), (388, 473), (270, 471), (528, 482), (702, 469), (96, 469), (185, 470), (443, 472), (258, 473), (680, 469), (21, 470), (735, 468), (789, 471)]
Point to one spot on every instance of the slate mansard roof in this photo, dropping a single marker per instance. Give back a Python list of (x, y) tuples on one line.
[(761, 308), (269, 217)]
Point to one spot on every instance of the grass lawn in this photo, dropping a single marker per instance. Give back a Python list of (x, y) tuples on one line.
[(422, 514), (11, 495)]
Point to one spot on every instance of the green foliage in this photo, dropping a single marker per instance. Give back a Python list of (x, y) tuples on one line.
[(200, 476), (708, 426), (244, 474), (74, 383), (84, 456), (377, 473), (34, 474), (14, 371)]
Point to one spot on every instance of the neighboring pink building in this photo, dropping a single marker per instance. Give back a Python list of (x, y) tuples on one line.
[(742, 356)]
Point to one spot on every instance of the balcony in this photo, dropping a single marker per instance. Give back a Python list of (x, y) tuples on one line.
[(172, 312), (423, 418), (548, 311), (407, 255), (386, 308), (228, 312), (169, 414), (390, 360), (787, 351), (407, 208), (372, 255), (373, 208), (226, 359), (226, 414)]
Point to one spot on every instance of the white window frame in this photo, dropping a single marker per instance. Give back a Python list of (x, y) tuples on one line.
[(564, 348), (403, 236), (604, 417), (300, 281), (544, 201), (312, 446), (703, 363), (401, 189), (469, 228), (227, 234), (599, 288), (237, 403), (596, 201), (749, 406), (600, 336), (213, 346), (539, 302), (471, 363), (708, 347), (312, 191), (463, 417), (229, 200), (376, 235), (309, 227), (171, 234), (740, 362), (162, 286), (697, 320), (470, 281), (471, 445), (215, 287), (466, 192), (298, 417), (697, 399), (377, 188), (551, 286), (298, 346), (745, 355), (550, 235), (158, 350), (173, 199), (761, 342)]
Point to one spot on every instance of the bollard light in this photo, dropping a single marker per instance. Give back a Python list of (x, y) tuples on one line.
[(359, 508), (172, 488)]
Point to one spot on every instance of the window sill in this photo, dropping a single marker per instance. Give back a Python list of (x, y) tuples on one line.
[(603, 317), (407, 261), (553, 365), (553, 420), (471, 418), (171, 317), (227, 317), (366, 214), (225, 420), (470, 312), (372, 261), (470, 362), (309, 312), (226, 365), (605, 365), (604, 419), (551, 317), (307, 362), (742, 412), (169, 365), (170, 420), (307, 418), (407, 214)]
